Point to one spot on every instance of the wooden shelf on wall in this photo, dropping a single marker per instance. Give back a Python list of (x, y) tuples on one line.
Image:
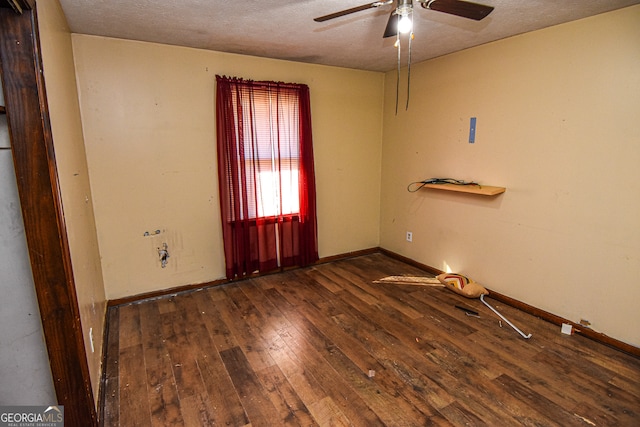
[(484, 190)]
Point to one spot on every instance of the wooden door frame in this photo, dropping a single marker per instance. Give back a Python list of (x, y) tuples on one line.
[(38, 187)]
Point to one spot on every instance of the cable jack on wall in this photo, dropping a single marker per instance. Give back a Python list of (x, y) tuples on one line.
[(163, 253)]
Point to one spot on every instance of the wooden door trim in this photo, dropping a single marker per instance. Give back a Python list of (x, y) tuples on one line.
[(38, 187), (18, 5)]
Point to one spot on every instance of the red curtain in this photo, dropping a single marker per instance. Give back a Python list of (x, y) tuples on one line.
[(266, 175)]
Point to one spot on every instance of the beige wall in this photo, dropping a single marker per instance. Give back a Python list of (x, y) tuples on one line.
[(557, 124), (149, 126), (57, 58)]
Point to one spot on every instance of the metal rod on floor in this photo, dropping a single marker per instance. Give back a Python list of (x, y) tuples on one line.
[(504, 318)]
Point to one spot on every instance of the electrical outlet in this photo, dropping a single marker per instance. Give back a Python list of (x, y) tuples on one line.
[(409, 236)]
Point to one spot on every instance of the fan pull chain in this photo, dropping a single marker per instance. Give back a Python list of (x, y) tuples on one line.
[(409, 72), (398, 73)]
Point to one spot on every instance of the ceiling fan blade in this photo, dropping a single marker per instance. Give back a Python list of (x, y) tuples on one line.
[(392, 26), (352, 10), (461, 8)]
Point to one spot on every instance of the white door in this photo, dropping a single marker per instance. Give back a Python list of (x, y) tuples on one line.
[(25, 375)]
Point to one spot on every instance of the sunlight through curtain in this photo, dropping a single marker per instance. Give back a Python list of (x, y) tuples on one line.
[(266, 175)]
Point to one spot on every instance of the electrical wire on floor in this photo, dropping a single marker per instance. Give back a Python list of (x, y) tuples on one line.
[(415, 186)]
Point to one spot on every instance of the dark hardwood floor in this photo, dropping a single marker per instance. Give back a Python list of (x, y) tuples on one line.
[(327, 346)]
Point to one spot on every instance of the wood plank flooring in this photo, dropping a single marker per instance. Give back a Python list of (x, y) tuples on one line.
[(326, 346)]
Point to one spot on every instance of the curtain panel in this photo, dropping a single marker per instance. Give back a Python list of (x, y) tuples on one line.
[(266, 175)]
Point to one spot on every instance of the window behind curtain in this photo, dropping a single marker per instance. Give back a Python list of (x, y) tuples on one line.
[(271, 149), (265, 167)]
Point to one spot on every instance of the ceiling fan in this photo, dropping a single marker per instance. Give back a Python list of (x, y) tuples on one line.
[(400, 20), (404, 9)]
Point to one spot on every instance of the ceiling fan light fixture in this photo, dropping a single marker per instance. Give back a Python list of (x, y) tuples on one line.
[(405, 12), (405, 25)]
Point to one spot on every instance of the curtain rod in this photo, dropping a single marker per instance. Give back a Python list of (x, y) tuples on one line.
[(261, 82)]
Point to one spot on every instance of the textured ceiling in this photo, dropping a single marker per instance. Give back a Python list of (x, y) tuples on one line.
[(284, 29)]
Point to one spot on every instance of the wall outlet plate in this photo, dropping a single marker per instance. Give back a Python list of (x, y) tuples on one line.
[(409, 236), (472, 130)]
